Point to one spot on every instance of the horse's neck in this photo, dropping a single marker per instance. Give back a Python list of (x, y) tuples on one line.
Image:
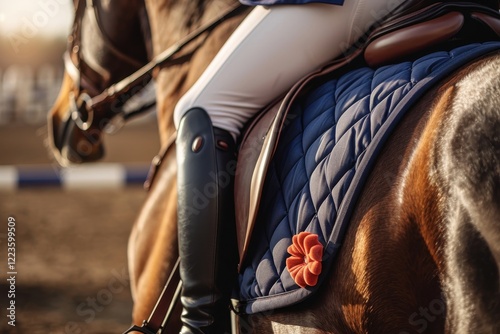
[(170, 21)]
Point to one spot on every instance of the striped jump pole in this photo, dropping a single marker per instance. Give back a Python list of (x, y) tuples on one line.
[(91, 176)]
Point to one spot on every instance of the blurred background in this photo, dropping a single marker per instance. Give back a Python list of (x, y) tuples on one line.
[(70, 243)]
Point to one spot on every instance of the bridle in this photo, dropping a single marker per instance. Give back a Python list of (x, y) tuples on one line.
[(110, 101), (89, 97)]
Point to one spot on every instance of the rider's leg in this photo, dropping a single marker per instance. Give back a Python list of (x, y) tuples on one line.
[(270, 51), (207, 243), (266, 55)]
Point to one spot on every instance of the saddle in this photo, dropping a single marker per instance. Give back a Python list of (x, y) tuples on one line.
[(416, 29), (440, 26)]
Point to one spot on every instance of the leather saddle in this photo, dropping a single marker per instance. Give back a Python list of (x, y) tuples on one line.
[(415, 28), (403, 36)]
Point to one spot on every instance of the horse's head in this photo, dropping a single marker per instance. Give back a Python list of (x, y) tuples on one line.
[(109, 41)]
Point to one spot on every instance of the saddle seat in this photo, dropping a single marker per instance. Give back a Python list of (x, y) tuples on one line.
[(403, 36)]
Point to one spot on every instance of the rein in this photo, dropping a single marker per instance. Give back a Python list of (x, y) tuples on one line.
[(168, 301), (84, 106)]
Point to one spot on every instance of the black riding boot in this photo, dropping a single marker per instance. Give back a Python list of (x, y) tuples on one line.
[(207, 241)]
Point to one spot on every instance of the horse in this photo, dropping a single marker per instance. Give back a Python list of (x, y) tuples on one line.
[(421, 251)]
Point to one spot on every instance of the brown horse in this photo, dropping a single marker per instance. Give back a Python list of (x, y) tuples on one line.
[(421, 254)]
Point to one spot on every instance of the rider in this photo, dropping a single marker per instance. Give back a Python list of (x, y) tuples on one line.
[(278, 43)]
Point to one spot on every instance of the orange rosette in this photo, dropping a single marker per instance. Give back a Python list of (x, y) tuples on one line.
[(304, 264)]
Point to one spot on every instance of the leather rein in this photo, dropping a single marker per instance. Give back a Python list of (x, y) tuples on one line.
[(84, 107)]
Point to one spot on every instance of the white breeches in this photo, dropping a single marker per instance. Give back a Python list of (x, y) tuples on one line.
[(270, 51)]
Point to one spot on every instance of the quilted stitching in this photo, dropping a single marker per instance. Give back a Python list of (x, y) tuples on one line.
[(319, 153)]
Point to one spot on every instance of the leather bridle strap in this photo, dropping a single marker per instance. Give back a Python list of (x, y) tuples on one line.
[(123, 87)]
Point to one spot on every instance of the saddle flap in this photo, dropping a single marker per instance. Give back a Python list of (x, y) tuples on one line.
[(246, 181)]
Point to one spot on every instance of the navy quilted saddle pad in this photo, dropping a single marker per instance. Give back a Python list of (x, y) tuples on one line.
[(323, 157)]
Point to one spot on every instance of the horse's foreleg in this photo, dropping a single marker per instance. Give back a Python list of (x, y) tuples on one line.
[(470, 170)]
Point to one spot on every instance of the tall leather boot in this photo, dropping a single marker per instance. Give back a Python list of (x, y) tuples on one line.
[(207, 239)]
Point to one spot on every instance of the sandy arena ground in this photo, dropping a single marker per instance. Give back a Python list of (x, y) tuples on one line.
[(70, 245)]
